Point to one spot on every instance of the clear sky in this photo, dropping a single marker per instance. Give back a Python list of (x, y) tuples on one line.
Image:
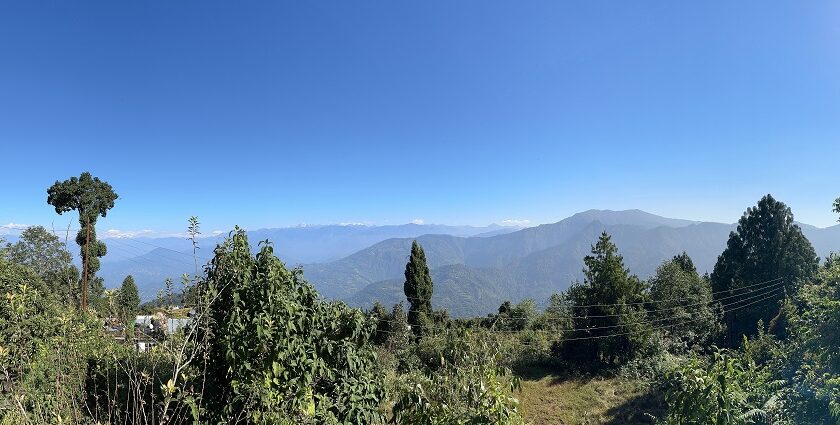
[(276, 113)]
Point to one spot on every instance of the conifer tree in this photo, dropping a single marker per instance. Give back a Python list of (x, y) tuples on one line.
[(607, 306), (418, 289), (766, 257), (128, 301)]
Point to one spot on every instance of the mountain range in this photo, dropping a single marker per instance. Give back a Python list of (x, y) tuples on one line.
[(473, 276), (474, 269)]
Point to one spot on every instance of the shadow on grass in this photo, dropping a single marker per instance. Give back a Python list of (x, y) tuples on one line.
[(598, 393), (562, 373), (644, 408)]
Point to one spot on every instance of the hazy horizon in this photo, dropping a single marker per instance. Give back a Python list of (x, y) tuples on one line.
[(105, 232)]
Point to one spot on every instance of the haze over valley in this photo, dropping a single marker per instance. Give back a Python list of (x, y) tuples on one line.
[(475, 269)]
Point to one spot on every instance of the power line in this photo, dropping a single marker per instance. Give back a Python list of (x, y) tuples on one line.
[(767, 295), (662, 300), (565, 316), (554, 332)]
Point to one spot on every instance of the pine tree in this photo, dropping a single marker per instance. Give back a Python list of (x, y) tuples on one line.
[(766, 257), (418, 289), (606, 304)]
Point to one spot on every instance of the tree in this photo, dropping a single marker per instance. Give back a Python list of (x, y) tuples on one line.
[(682, 300), (516, 317), (91, 198), (837, 206), (44, 253), (128, 301), (766, 257), (608, 306), (418, 289)]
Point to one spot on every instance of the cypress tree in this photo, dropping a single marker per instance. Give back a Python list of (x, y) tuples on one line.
[(418, 289), (128, 300)]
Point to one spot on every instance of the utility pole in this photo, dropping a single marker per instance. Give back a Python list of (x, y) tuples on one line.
[(85, 266)]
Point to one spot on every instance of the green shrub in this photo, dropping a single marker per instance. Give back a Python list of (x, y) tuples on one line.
[(459, 383), (729, 389), (44, 348), (278, 353)]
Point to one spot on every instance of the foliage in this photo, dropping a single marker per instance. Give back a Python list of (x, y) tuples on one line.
[(837, 206), (609, 317), (515, 317), (128, 301), (91, 198), (460, 383), (44, 349), (814, 357), (729, 389), (766, 245), (44, 253), (682, 301), (279, 354), (383, 323), (418, 289)]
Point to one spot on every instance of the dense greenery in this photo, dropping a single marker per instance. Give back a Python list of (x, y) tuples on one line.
[(813, 367), (728, 388), (44, 348)]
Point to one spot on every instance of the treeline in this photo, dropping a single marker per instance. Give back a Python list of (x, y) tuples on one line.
[(755, 341)]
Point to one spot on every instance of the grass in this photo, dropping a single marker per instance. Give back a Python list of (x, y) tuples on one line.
[(548, 398)]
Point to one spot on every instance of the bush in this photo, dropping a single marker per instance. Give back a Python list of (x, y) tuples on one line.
[(730, 389), (44, 351), (278, 353), (459, 383)]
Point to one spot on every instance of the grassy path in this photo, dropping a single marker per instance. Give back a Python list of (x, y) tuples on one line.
[(547, 398)]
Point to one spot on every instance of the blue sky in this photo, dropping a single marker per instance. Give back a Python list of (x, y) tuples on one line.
[(278, 113)]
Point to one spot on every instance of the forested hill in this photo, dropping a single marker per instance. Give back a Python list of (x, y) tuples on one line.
[(474, 275)]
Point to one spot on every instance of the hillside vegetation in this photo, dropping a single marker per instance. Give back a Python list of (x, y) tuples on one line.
[(754, 342)]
